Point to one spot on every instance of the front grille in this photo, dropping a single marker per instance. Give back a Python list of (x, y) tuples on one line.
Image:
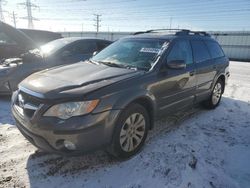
[(30, 99), (28, 103)]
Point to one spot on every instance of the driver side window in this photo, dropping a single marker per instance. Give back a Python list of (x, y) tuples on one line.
[(181, 51), (83, 47), (5, 39)]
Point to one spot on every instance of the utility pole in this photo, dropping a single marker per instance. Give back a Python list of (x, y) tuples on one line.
[(14, 18), (82, 30), (170, 22), (1, 10), (29, 6), (97, 20)]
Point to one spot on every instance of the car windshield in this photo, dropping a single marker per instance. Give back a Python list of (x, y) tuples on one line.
[(54, 46), (138, 53)]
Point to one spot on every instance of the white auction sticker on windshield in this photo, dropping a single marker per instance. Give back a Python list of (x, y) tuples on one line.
[(150, 50)]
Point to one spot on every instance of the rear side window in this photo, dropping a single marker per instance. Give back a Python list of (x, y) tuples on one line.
[(181, 51), (83, 47), (102, 44), (200, 51), (214, 49)]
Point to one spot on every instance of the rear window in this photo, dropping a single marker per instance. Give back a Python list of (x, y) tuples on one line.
[(200, 51), (214, 49)]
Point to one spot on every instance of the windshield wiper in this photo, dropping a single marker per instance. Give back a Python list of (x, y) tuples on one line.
[(112, 64), (94, 62), (126, 66)]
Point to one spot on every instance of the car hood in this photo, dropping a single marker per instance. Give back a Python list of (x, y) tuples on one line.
[(76, 79)]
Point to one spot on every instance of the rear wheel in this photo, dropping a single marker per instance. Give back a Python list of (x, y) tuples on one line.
[(130, 131), (215, 97)]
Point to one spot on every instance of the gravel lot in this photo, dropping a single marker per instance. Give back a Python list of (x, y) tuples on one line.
[(195, 149)]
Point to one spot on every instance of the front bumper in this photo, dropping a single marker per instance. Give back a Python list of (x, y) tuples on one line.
[(87, 133)]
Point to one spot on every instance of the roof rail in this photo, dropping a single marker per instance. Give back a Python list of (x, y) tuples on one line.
[(157, 30), (178, 32)]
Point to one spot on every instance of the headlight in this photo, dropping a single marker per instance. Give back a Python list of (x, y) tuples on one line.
[(70, 109)]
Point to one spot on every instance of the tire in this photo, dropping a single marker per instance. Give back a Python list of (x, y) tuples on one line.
[(215, 97), (131, 128)]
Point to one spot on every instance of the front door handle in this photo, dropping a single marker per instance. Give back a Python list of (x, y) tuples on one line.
[(191, 73)]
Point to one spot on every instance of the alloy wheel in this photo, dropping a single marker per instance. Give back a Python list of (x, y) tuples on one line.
[(217, 93), (132, 132)]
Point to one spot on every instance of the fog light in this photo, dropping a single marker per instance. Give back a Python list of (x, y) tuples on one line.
[(69, 145)]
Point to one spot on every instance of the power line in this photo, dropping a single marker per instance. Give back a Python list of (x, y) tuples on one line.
[(204, 14), (165, 6), (216, 16), (29, 6), (130, 4), (197, 12), (160, 8)]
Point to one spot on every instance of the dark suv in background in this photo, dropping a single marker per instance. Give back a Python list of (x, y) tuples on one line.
[(112, 100), (55, 53)]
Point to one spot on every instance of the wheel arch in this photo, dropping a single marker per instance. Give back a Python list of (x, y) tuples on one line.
[(148, 104), (222, 77)]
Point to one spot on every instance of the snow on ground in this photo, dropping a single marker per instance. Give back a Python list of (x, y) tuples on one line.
[(195, 149)]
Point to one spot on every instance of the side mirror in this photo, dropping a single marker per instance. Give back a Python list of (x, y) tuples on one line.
[(95, 52), (176, 64)]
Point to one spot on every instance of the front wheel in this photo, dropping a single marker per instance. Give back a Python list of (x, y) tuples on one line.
[(130, 131), (215, 97)]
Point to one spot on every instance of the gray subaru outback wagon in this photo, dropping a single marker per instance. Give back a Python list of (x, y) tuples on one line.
[(111, 101)]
